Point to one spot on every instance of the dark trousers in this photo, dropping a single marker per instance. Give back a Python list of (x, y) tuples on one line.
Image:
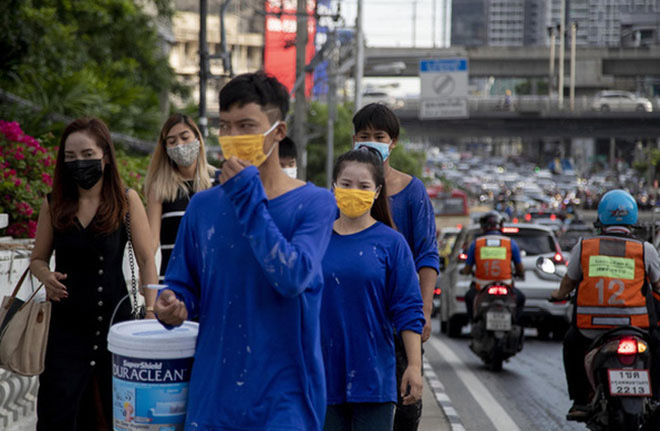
[(472, 293), (576, 346), (406, 417), (359, 417)]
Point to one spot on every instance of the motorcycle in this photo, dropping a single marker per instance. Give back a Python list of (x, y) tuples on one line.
[(618, 367), (495, 337)]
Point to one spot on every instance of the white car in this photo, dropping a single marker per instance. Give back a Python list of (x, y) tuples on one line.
[(533, 240), (381, 97), (606, 101)]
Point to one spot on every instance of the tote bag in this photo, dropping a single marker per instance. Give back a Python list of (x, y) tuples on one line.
[(23, 332)]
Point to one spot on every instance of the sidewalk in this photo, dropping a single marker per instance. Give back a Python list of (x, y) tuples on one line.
[(433, 418)]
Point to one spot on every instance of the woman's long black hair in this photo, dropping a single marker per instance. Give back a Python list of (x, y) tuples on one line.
[(372, 158)]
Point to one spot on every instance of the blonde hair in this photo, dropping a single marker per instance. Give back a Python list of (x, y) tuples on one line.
[(163, 176)]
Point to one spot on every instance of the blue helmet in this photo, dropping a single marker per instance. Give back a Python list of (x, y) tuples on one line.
[(617, 207)]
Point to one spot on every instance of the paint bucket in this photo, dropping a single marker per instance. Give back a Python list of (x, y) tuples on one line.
[(151, 369)]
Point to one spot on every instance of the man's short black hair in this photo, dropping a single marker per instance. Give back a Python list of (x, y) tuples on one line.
[(264, 90), (378, 117), (288, 149)]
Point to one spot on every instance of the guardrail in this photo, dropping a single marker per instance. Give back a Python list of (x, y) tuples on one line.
[(18, 398), (519, 104)]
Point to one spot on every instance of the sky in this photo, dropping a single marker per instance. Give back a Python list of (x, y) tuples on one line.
[(381, 17), (390, 22)]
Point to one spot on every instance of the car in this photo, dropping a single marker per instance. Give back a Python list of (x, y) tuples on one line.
[(446, 237), (534, 241), (570, 236), (612, 100), (554, 224), (377, 96), (446, 240), (532, 216)]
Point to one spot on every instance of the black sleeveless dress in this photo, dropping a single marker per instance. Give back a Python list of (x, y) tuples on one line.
[(172, 213), (78, 372)]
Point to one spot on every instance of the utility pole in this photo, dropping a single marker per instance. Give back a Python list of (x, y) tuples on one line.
[(435, 19), (414, 24), (203, 68), (572, 78), (447, 25), (359, 61), (225, 55), (562, 47), (332, 107), (551, 76), (300, 108)]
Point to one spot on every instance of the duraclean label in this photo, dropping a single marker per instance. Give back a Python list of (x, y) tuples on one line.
[(151, 370)]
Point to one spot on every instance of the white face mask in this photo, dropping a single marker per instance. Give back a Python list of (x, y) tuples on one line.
[(292, 172)]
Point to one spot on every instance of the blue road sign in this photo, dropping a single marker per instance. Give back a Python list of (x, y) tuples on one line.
[(448, 65)]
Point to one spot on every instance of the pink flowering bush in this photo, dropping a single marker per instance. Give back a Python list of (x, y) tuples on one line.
[(26, 175)]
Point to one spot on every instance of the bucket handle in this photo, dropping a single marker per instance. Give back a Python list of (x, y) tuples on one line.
[(114, 313)]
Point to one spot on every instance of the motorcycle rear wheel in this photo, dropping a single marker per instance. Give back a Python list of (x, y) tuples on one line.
[(618, 420), (496, 360), (496, 364)]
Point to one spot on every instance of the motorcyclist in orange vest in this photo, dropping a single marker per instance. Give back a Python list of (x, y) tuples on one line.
[(492, 254), (610, 273)]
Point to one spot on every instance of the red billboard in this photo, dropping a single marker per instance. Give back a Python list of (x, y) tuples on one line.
[(280, 41)]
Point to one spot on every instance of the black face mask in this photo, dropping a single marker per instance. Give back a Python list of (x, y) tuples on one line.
[(86, 173)]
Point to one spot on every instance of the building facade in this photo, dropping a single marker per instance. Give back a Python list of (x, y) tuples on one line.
[(469, 23), (528, 22), (244, 30), (612, 23)]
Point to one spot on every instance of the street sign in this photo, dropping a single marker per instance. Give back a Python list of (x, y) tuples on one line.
[(444, 88)]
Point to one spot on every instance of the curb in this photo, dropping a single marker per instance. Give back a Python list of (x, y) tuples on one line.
[(441, 397)]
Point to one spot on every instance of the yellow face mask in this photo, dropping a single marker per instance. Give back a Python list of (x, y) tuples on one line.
[(247, 147), (354, 202)]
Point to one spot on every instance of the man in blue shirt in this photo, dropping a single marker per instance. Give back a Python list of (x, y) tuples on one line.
[(247, 263), (377, 126)]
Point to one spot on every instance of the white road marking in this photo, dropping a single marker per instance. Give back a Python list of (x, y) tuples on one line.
[(495, 412), (442, 398)]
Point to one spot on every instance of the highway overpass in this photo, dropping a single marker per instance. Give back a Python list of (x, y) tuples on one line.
[(595, 67), (559, 125)]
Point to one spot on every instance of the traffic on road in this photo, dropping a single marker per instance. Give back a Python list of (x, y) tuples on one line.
[(496, 379)]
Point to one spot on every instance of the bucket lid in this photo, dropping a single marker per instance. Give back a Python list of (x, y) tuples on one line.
[(148, 339)]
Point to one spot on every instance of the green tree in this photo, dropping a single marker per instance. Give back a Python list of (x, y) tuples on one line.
[(649, 165), (403, 159), (86, 57)]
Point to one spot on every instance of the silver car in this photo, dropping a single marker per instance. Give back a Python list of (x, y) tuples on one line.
[(605, 101), (533, 240)]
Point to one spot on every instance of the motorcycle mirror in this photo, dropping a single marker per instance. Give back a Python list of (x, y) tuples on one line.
[(546, 265)]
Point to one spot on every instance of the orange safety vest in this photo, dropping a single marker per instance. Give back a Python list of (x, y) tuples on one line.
[(610, 293), (492, 257)]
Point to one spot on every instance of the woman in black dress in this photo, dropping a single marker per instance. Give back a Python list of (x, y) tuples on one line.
[(178, 170), (83, 221)]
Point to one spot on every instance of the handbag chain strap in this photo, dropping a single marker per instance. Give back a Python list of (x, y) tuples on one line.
[(131, 263)]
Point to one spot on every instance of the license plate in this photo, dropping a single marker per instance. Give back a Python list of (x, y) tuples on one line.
[(498, 321), (627, 383)]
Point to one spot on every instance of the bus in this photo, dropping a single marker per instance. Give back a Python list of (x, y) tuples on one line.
[(450, 207)]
